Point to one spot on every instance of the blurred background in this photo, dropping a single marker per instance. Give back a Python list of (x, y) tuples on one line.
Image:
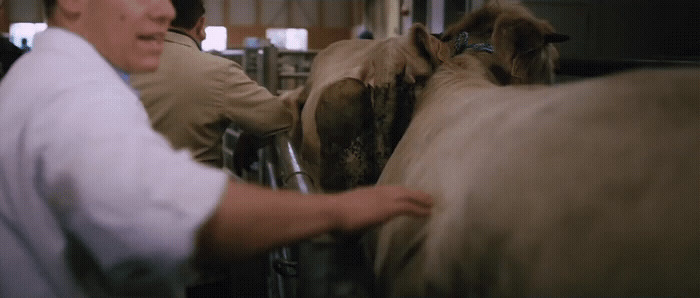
[(600, 29), (606, 36)]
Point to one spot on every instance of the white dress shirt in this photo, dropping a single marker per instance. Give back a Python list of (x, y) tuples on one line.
[(92, 200)]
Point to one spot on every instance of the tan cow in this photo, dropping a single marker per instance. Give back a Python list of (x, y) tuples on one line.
[(353, 82), (360, 95), (585, 188)]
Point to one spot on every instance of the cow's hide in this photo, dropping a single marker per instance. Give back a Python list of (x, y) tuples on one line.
[(360, 95), (523, 54), (591, 187), (357, 88)]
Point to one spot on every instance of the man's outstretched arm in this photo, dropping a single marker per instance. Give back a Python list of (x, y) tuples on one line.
[(251, 219)]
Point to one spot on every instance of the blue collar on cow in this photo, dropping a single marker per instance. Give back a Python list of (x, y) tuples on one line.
[(462, 44)]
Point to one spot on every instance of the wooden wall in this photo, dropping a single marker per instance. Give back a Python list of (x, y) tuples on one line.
[(625, 29), (601, 29), (4, 21), (326, 21), (620, 29)]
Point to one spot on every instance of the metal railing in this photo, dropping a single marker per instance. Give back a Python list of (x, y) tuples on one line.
[(279, 167), (310, 268), (323, 266), (276, 69)]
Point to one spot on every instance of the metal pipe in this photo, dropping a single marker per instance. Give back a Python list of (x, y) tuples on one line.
[(283, 269), (290, 170)]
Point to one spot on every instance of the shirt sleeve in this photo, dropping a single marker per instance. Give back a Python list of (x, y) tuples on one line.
[(116, 184), (250, 105)]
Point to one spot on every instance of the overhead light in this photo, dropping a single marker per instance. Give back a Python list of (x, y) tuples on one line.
[(289, 38), (216, 39), (25, 31)]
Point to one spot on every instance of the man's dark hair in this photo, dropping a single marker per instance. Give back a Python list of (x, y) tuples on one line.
[(48, 6), (187, 13)]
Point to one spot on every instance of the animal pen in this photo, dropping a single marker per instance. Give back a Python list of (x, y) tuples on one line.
[(323, 266)]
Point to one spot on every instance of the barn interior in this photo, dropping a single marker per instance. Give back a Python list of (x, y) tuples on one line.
[(607, 36), (275, 41)]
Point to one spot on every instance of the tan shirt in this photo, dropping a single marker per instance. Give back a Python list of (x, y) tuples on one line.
[(194, 96)]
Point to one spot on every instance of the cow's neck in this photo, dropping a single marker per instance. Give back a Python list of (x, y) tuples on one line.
[(469, 70), (475, 69)]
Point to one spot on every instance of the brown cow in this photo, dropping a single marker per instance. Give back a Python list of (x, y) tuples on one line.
[(585, 188), (361, 93), (352, 84)]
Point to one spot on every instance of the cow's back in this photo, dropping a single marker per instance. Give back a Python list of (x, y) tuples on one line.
[(585, 188), (344, 72)]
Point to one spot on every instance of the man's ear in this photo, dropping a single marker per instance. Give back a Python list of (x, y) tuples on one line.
[(71, 8), (199, 28)]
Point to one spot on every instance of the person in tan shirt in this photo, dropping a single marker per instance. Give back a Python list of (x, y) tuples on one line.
[(194, 96)]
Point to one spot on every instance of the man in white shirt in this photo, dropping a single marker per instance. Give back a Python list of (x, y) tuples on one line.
[(93, 202)]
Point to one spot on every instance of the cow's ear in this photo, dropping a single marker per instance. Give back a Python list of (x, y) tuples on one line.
[(523, 46), (518, 36), (429, 47), (513, 39)]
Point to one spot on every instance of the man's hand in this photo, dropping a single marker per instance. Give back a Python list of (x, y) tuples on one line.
[(251, 219), (369, 206), (246, 151)]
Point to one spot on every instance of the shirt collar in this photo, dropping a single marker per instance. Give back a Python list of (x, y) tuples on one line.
[(180, 32), (63, 40), (123, 75)]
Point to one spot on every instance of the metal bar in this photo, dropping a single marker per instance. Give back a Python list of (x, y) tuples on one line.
[(291, 173), (271, 68), (309, 272), (315, 256), (260, 65), (282, 282)]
